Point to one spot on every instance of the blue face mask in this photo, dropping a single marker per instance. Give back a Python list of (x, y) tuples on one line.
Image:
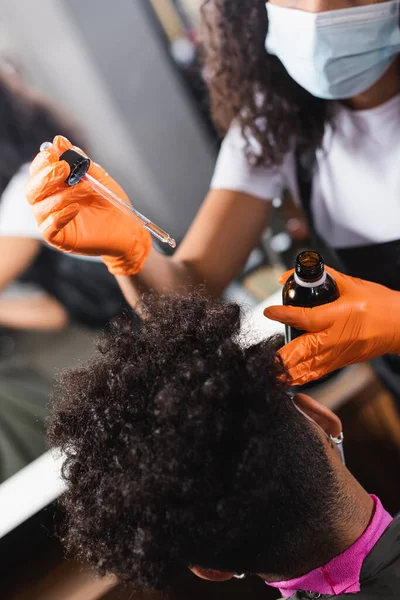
[(336, 54)]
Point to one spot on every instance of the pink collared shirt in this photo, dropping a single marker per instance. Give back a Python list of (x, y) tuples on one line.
[(342, 573)]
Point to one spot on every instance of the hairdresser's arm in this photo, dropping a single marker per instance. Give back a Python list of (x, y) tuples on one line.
[(226, 229), (16, 255), (78, 219), (362, 324), (39, 312)]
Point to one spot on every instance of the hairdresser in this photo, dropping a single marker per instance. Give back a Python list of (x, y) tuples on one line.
[(308, 95)]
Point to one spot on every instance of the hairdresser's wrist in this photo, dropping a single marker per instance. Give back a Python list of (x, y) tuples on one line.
[(130, 262)]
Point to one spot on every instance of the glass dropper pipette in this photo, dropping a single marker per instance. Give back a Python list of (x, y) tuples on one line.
[(79, 166)]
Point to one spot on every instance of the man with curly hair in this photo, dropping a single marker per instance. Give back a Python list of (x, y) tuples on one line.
[(185, 448)]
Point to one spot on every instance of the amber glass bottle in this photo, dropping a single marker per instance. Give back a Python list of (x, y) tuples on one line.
[(309, 286)]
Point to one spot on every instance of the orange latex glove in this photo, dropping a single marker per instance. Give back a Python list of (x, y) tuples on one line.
[(78, 220), (362, 324)]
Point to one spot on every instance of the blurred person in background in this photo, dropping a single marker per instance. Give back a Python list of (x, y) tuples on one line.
[(308, 95), (40, 288)]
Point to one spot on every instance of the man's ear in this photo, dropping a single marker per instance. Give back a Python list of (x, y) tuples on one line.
[(321, 414), (210, 574)]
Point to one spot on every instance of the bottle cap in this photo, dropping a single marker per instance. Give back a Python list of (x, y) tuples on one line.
[(309, 265), (79, 166)]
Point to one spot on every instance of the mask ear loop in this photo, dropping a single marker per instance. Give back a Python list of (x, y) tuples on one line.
[(338, 441)]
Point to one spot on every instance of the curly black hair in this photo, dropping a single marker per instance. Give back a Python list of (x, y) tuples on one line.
[(248, 84), (183, 447)]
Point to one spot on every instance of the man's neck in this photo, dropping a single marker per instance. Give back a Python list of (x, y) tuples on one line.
[(383, 90), (354, 514)]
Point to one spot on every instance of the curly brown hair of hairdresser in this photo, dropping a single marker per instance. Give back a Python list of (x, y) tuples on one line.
[(183, 447), (251, 86)]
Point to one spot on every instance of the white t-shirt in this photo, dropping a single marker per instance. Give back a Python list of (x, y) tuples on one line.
[(16, 216), (356, 184)]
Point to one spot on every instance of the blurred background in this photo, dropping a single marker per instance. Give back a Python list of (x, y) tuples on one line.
[(123, 80)]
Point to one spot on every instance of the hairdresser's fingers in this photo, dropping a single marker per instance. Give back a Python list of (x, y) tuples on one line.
[(103, 177), (303, 348), (43, 159), (306, 359), (349, 285), (285, 276), (308, 319), (47, 181), (52, 228), (308, 370), (100, 174), (344, 282), (311, 357), (62, 144), (51, 155), (305, 373), (60, 200)]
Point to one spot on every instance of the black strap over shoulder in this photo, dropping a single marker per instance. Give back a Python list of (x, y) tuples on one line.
[(88, 292), (305, 167)]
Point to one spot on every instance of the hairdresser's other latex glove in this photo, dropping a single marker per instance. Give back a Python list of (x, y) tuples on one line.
[(362, 324), (79, 220)]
